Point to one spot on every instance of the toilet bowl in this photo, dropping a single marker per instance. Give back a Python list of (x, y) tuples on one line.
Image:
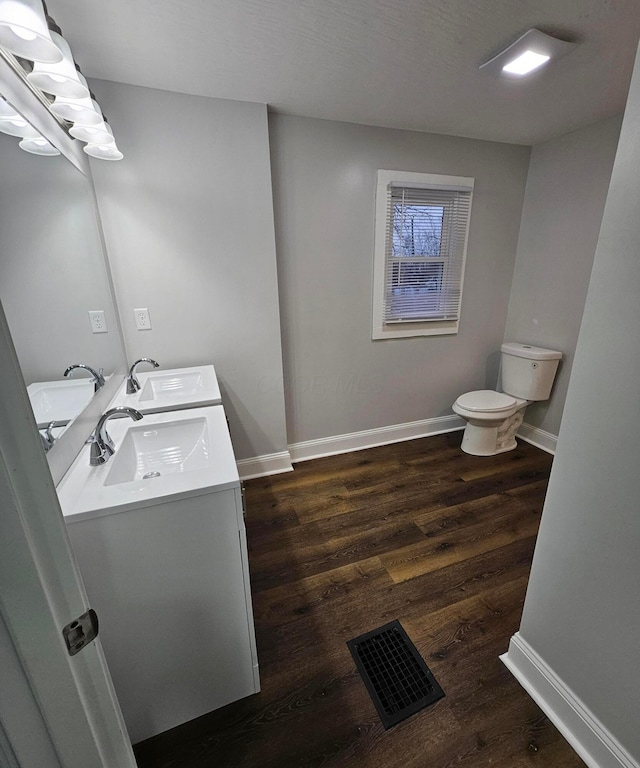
[(493, 418)]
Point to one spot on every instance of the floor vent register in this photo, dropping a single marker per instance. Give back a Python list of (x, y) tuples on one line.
[(396, 676)]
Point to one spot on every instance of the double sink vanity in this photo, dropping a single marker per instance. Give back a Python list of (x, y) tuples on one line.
[(157, 524), (158, 532)]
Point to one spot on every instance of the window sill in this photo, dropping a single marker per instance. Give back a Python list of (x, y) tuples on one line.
[(408, 330)]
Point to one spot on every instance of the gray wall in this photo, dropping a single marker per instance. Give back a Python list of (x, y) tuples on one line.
[(189, 225), (564, 200), (337, 380), (188, 221), (581, 612)]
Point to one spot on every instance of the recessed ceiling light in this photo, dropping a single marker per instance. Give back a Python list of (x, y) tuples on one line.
[(525, 63), (526, 54)]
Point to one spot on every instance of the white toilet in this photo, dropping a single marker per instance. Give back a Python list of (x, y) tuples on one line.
[(492, 417)]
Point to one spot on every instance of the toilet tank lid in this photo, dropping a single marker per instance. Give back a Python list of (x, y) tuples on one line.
[(531, 353)]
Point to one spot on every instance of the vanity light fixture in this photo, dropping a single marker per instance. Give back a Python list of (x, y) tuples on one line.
[(61, 78), (106, 150), (100, 142), (38, 146), (18, 127), (8, 114), (527, 54), (93, 134), (84, 111), (14, 124), (24, 31), (103, 151)]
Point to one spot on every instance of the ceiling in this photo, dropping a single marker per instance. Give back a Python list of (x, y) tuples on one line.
[(409, 64)]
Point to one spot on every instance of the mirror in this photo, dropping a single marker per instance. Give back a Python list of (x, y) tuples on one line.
[(53, 274)]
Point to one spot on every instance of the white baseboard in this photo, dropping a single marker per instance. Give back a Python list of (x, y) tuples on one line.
[(538, 437), (260, 466), (369, 438), (586, 734), (275, 463)]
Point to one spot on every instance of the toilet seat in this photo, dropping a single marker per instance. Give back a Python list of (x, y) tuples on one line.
[(486, 401)]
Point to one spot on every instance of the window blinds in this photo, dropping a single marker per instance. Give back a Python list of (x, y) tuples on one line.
[(425, 249)]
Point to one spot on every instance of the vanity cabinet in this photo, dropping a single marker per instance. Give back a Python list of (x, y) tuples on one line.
[(169, 580)]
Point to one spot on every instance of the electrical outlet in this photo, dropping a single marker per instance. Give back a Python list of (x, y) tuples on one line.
[(143, 321), (98, 321)]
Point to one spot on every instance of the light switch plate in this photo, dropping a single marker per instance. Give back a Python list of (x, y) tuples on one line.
[(143, 321), (98, 321)]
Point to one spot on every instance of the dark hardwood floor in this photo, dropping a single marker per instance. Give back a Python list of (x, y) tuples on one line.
[(416, 531)]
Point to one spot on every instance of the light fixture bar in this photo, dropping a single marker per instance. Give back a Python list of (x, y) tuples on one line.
[(13, 63), (14, 124)]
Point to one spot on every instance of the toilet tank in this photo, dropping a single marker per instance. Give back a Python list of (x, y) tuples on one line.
[(528, 372)]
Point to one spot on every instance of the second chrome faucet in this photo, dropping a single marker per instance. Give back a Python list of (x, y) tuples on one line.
[(98, 378), (133, 385)]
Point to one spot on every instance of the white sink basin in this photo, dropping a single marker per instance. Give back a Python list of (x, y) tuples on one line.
[(172, 389), (184, 384), (150, 451), (163, 457), (59, 400)]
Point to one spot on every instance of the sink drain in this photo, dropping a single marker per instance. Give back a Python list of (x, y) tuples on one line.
[(150, 475)]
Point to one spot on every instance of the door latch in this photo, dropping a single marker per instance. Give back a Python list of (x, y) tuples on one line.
[(81, 631)]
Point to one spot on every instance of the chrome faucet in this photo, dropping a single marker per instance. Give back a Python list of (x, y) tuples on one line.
[(47, 436), (102, 447), (98, 378), (133, 385), (46, 442)]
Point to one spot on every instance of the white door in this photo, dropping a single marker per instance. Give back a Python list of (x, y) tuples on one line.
[(55, 709)]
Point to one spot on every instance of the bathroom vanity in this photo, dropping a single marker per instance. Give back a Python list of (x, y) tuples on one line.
[(159, 535)]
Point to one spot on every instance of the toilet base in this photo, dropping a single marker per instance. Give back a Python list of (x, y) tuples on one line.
[(490, 440)]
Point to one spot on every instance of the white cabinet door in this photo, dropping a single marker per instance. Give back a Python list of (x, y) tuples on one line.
[(168, 582)]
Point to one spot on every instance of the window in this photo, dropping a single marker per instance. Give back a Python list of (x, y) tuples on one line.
[(422, 222)]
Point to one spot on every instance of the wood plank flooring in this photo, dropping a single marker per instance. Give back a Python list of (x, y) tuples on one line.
[(416, 531)]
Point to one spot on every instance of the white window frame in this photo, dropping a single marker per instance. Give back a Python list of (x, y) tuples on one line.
[(427, 327)]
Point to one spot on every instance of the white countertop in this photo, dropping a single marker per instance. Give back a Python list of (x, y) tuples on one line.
[(87, 491)]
